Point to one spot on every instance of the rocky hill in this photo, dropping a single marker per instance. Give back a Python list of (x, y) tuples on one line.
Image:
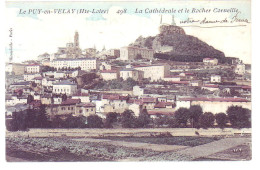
[(178, 46)]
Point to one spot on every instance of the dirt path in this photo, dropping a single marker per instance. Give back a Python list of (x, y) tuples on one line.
[(136, 145), (213, 147)]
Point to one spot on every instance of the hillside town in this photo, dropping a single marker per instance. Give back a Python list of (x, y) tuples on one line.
[(83, 82)]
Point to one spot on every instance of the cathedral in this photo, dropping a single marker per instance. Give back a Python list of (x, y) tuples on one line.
[(72, 50)]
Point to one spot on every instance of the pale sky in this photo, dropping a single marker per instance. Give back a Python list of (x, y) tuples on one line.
[(39, 33)]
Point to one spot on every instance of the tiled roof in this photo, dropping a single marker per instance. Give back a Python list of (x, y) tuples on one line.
[(35, 103), (65, 82), (246, 87), (21, 83), (33, 65), (180, 82), (70, 101), (211, 85), (87, 105), (81, 94), (136, 101), (163, 104), (38, 78), (128, 69), (159, 112), (229, 99), (71, 59), (209, 59), (149, 100), (109, 71), (114, 97)]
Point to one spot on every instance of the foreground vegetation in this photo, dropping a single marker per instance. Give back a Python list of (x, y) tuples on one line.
[(236, 116), (168, 140), (65, 149)]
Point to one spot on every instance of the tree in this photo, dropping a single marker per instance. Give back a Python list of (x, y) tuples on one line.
[(195, 113), (143, 119), (75, 122), (64, 97), (57, 122), (131, 82), (41, 120), (221, 119), (18, 121), (128, 119), (239, 117), (182, 115), (29, 99), (94, 121), (172, 122), (206, 120), (110, 119)]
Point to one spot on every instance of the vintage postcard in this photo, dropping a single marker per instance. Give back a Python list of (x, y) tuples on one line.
[(128, 81)]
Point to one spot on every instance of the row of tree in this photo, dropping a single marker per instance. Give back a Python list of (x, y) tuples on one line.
[(236, 116)]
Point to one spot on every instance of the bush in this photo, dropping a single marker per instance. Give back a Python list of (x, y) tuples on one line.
[(128, 120), (143, 119), (94, 121), (207, 120), (239, 117), (221, 119), (110, 119), (182, 115), (195, 113)]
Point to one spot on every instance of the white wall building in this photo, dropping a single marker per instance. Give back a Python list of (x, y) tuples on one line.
[(13, 100), (131, 53), (33, 68), (109, 74), (64, 87), (48, 81), (59, 74), (15, 68), (84, 98), (210, 61), (155, 71), (131, 73), (215, 79), (138, 91), (240, 69), (214, 105), (30, 77), (83, 63)]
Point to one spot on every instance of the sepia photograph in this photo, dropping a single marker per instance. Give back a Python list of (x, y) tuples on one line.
[(121, 81)]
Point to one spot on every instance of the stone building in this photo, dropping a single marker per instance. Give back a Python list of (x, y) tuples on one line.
[(15, 68), (109, 74), (136, 75), (155, 71), (133, 53)]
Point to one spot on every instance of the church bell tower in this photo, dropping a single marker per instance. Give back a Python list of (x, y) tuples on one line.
[(76, 39)]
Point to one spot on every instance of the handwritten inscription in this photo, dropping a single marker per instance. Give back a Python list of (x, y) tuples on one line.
[(205, 20)]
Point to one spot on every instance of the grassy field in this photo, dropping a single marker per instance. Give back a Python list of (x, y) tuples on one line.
[(60, 149), (172, 140), (66, 149)]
